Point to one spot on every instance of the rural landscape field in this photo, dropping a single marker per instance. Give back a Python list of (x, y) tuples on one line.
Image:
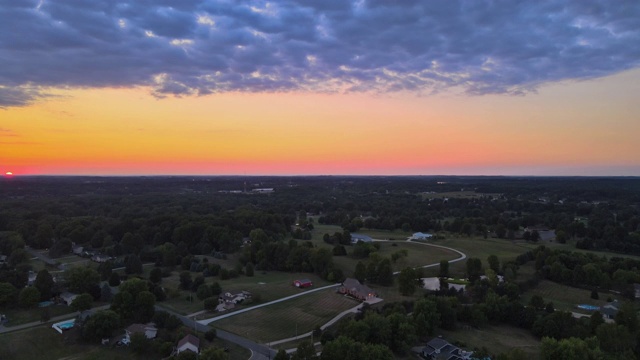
[(281, 273), (319, 180)]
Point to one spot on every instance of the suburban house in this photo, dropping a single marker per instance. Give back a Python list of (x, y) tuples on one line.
[(68, 297), (189, 343), (31, 278), (610, 310), (263, 190), (354, 288), (302, 283), (440, 349), (360, 237), (149, 330), (234, 298), (636, 290), (421, 236), (99, 258), (3, 259), (76, 249)]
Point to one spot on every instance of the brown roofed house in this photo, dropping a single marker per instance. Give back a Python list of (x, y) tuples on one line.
[(354, 288)]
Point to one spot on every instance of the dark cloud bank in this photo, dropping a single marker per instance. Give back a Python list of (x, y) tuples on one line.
[(189, 47)]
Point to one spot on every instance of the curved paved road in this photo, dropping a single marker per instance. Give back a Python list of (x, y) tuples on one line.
[(462, 255)]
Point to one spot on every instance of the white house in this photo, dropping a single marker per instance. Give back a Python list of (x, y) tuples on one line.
[(421, 236), (68, 297), (189, 342), (149, 330)]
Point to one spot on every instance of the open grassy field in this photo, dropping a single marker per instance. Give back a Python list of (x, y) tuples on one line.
[(564, 297), (481, 248), (288, 318), (43, 343), (23, 316), (497, 339), (268, 285), (418, 255)]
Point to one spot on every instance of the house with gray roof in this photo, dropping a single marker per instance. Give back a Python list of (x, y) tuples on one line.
[(354, 288), (440, 349), (355, 238)]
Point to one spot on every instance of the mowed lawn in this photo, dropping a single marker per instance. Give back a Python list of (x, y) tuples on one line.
[(497, 339), (417, 255), (44, 343), (564, 297), (288, 318), (481, 248), (268, 286)]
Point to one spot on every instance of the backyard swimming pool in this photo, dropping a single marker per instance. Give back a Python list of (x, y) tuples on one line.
[(63, 325), (45, 303), (588, 307)]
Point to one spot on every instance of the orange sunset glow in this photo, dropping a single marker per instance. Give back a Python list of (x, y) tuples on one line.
[(294, 118)]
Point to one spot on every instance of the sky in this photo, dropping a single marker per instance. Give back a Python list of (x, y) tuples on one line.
[(197, 87)]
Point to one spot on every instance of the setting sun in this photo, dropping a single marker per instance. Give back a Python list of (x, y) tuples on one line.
[(9, 173)]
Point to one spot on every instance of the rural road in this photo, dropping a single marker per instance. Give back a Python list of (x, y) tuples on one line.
[(462, 255), (258, 351)]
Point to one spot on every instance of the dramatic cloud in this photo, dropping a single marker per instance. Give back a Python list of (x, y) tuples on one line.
[(191, 47)]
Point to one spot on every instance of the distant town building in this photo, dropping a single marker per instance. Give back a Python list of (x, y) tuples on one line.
[(421, 236), (360, 237)]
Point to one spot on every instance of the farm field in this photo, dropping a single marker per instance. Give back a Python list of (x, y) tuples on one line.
[(564, 297), (288, 318), (497, 339)]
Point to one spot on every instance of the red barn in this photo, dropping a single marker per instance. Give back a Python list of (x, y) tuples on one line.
[(302, 283)]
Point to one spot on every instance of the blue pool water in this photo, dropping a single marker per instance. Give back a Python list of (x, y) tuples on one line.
[(45, 303), (67, 325), (588, 307)]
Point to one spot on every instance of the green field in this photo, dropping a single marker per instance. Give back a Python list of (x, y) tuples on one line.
[(564, 297), (418, 255), (497, 339), (269, 286), (44, 343), (23, 316), (288, 318), (481, 248)]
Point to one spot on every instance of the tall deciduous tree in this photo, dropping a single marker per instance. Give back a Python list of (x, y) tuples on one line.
[(426, 317), (81, 279), (100, 325), (407, 281), (82, 302), (29, 297), (444, 269), (44, 283)]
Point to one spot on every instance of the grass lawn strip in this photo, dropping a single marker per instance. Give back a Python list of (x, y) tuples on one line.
[(288, 318)]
